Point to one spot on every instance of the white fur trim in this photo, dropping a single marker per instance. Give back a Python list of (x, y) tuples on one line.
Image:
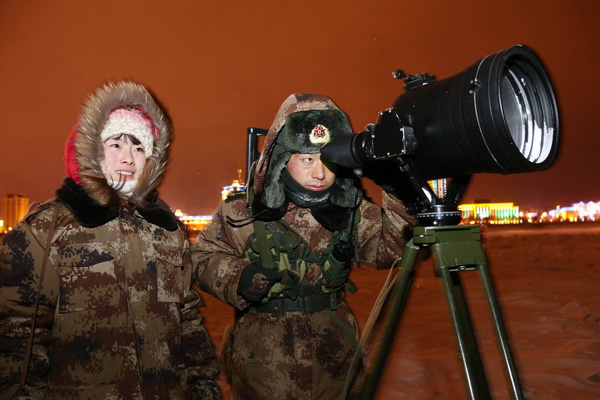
[(124, 187)]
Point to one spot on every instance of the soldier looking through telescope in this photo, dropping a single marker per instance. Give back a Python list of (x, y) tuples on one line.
[(281, 255)]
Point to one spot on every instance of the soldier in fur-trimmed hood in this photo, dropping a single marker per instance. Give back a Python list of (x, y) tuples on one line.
[(304, 123), (106, 265), (281, 255)]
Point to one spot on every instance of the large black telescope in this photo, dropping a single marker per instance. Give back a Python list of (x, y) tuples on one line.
[(497, 116)]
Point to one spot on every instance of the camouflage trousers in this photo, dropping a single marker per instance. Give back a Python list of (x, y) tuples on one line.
[(294, 356)]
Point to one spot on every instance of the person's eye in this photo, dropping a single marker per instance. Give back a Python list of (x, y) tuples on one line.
[(115, 145), (308, 160), (139, 149)]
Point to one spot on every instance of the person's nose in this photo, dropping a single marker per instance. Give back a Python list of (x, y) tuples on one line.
[(127, 155), (318, 171)]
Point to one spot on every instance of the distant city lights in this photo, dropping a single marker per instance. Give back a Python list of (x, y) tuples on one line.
[(474, 213), (200, 222), (508, 213), (193, 222), (237, 185), (578, 212)]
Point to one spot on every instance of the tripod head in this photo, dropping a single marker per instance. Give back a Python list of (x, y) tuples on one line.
[(430, 209)]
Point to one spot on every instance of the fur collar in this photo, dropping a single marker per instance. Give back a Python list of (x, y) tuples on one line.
[(333, 218), (89, 213)]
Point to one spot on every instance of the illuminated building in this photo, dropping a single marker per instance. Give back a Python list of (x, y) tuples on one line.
[(492, 213), (197, 223), (14, 207), (193, 222), (238, 185)]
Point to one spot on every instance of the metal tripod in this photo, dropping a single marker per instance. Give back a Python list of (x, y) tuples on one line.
[(454, 249)]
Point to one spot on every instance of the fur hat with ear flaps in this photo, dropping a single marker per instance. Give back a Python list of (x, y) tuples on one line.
[(86, 147), (304, 124)]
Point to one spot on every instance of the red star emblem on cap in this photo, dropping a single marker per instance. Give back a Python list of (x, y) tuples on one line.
[(319, 135), (319, 131)]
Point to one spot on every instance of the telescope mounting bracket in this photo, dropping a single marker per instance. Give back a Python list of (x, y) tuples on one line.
[(412, 82)]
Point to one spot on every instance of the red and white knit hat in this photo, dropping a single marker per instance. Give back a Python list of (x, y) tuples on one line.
[(134, 122)]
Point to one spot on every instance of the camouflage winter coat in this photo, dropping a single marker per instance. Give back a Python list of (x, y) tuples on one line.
[(295, 356), (117, 318), (111, 312)]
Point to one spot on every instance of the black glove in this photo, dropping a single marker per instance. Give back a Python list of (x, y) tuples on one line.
[(336, 274), (343, 251), (256, 281)]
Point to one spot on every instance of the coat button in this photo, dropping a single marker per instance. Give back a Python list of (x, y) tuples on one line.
[(276, 309)]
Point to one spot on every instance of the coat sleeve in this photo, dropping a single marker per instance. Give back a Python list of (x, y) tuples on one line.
[(22, 253), (218, 258), (199, 351), (383, 232)]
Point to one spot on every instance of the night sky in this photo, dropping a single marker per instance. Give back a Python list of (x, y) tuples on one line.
[(219, 67)]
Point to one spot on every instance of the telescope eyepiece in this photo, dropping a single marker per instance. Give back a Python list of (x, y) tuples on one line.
[(347, 150)]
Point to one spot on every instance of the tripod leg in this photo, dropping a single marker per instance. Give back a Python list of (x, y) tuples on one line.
[(510, 368), (399, 296), (467, 343)]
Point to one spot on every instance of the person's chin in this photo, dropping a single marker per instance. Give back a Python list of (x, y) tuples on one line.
[(121, 178)]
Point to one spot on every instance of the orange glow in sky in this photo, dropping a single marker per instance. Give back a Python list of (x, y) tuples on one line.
[(220, 67)]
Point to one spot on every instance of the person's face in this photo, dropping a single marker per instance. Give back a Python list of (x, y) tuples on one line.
[(124, 160), (308, 170)]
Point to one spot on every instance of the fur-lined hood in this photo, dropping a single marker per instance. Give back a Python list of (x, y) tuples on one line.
[(294, 103), (297, 128), (84, 151)]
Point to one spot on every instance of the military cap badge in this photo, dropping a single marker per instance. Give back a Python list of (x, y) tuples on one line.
[(319, 134)]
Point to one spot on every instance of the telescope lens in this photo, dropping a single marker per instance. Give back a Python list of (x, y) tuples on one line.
[(517, 110), (524, 114), (497, 116)]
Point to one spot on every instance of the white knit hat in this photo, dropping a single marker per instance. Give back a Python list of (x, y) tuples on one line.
[(130, 122)]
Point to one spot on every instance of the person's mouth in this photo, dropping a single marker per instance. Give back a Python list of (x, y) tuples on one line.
[(125, 175)]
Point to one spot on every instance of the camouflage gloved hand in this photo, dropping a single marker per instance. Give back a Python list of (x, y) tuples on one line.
[(397, 206), (255, 282), (205, 390), (291, 283)]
